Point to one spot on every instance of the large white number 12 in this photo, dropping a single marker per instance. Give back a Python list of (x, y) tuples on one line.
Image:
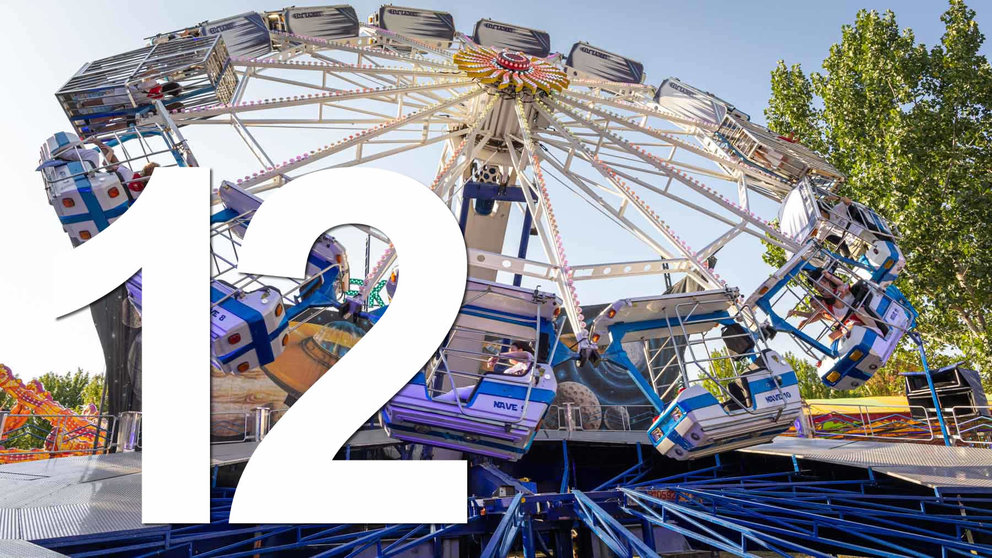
[(291, 477), (166, 234)]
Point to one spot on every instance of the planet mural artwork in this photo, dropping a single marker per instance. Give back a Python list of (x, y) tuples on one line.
[(313, 348)]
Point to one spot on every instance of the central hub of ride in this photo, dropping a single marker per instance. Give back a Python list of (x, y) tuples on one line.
[(516, 61), (511, 71)]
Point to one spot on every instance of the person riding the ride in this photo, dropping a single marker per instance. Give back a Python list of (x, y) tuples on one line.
[(521, 358)]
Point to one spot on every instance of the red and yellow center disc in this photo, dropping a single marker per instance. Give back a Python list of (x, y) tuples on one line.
[(506, 69)]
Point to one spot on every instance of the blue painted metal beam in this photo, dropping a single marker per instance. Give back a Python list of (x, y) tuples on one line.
[(609, 530), (506, 532)]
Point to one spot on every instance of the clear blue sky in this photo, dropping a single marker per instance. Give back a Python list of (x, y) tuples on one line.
[(725, 47)]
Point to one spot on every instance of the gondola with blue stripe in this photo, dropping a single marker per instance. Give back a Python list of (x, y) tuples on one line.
[(478, 394), (700, 414), (875, 321), (327, 271), (86, 200), (247, 329)]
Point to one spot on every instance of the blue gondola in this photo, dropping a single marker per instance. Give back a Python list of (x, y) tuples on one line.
[(853, 231), (86, 200), (457, 402), (870, 325), (327, 271), (759, 402), (247, 329)]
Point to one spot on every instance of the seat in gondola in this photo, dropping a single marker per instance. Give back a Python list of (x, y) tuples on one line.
[(488, 387)]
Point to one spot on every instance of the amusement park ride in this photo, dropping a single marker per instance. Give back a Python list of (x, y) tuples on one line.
[(519, 128)]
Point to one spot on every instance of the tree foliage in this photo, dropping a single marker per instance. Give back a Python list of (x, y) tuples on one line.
[(73, 390), (810, 386), (911, 127)]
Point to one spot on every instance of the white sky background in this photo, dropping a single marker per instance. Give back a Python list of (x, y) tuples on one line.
[(724, 47)]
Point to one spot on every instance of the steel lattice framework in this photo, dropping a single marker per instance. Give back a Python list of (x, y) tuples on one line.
[(719, 506), (606, 143)]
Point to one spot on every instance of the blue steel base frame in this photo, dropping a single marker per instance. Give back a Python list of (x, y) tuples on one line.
[(716, 505)]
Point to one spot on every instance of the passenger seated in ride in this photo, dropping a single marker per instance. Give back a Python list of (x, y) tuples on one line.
[(740, 345), (135, 181), (827, 308), (841, 210), (827, 283), (830, 303), (128, 97), (521, 360), (835, 303)]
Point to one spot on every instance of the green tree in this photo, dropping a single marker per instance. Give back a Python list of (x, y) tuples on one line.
[(721, 370), (72, 389), (810, 387), (67, 388), (93, 392), (911, 127)]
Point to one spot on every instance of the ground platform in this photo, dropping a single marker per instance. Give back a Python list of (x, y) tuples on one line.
[(933, 466), (90, 495)]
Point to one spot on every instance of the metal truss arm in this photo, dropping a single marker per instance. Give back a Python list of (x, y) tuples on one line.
[(609, 530), (631, 197)]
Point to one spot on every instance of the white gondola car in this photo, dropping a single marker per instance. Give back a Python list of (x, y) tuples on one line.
[(856, 231), (692, 425), (761, 402), (868, 345), (85, 200), (247, 329), (436, 29), (587, 61)]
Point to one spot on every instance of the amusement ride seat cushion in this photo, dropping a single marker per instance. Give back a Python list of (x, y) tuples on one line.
[(737, 339), (737, 394)]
